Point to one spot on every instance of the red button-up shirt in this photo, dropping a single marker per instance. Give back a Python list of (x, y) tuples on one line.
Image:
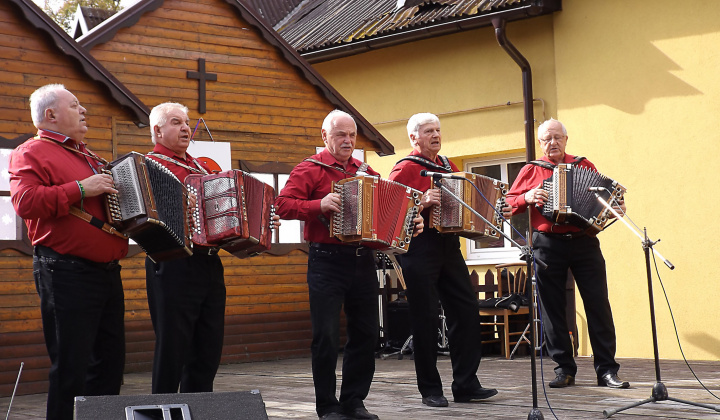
[(529, 177), (43, 186), (180, 172), (307, 185)]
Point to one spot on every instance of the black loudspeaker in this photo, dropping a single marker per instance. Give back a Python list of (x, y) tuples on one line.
[(246, 405), (398, 327)]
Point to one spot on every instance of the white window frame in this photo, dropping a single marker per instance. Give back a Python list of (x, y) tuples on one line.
[(295, 226), (492, 256)]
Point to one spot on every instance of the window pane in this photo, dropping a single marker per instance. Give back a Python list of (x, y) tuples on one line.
[(520, 221), (290, 231), (4, 175), (493, 171), (266, 178), (9, 222), (282, 179)]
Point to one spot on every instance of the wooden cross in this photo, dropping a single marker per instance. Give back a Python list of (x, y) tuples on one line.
[(202, 77)]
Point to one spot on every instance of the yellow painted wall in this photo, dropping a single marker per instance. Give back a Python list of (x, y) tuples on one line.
[(637, 89)]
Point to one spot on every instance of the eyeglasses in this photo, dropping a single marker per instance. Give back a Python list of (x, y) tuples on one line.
[(557, 138)]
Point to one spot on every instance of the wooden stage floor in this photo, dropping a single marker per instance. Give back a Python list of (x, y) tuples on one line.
[(286, 388)]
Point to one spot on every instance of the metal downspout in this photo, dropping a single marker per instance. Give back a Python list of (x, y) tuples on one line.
[(499, 25)]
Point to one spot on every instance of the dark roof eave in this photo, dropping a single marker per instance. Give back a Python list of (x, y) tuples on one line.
[(322, 54), (41, 21)]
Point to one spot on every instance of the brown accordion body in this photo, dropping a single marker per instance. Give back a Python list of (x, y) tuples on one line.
[(452, 217), (233, 212), (377, 213), (150, 206), (570, 202)]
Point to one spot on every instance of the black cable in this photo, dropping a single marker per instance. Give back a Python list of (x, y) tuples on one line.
[(667, 300), (542, 332)]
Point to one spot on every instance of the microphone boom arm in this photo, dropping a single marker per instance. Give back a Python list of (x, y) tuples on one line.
[(642, 238), (506, 236)]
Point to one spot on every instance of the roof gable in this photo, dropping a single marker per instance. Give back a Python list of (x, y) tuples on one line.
[(159, 10), (87, 18), (34, 16)]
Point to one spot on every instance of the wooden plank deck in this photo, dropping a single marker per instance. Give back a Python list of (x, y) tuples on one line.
[(286, 388)]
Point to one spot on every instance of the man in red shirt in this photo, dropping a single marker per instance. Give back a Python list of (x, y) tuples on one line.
[(339, 275), (186, 296), (435, 270), (75, 264), (564, 247)]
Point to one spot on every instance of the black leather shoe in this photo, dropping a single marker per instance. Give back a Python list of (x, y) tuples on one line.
[(360, 413), (435, 401), (611, 380), (477, 395), (562, 380), (334, 416)]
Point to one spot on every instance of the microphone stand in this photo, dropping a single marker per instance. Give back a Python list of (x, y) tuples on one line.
[(659, 391), (527, 256)]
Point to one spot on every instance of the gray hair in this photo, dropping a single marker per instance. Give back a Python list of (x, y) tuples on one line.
[(327, 122), (159, 114), (543, 127), (43, 98), (417, 120)]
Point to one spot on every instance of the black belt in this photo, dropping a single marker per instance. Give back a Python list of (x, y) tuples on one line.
[(564, 236), (357, 251), (44, 251)]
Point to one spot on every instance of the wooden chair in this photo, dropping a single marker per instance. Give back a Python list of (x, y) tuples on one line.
[(502, 318)]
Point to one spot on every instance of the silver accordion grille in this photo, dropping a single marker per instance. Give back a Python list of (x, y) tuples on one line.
[(452, 210), (126, 182)]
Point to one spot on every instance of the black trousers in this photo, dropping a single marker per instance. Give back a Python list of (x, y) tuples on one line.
[(83, 309), (338, 278), (187, 307), (583, 257), (434, 270)]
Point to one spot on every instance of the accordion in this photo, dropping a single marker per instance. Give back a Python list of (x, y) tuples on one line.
[(571, 202), (233, 212), (452, 217), (377, 213), (150, 206)]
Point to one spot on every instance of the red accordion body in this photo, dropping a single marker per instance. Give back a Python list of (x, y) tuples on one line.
[(233, 212), (452, 217), (376, 213)]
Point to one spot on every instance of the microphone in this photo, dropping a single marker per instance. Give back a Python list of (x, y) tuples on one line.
[(438, 175), (597, 189)]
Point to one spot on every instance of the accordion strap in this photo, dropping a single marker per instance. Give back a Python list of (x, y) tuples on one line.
[(180, 164), (95, 222), (548, 165), (363, 167), (446, 167), (88, 153)]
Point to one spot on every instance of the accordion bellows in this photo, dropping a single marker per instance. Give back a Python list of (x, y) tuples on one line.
[(233, 212), (571, 202), (452, 217), (150, 206), (377, 213)]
